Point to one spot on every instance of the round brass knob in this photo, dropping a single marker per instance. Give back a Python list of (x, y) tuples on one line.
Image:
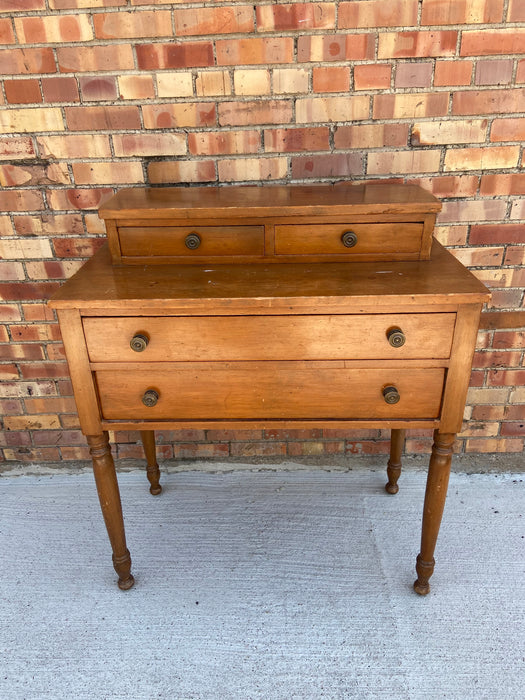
[(396, 337), (139, 342), (391, 394), (192, 241), (349, 239), (150, 398)]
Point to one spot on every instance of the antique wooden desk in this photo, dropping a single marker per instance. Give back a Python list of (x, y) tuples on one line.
[(264, 307)]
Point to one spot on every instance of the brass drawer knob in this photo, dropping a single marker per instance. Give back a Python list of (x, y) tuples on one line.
[(349, 239), (192, 241), (139, 342), (396, 337), (391, 394), (150, 398)]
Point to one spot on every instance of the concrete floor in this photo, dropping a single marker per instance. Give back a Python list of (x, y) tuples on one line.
[(262, 584)]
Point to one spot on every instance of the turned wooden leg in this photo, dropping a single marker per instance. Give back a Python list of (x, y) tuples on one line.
[(435, 495), (393, 469), (153, 471), (109, 497)]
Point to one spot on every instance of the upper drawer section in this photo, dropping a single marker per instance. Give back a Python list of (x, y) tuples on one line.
[(236, 338)]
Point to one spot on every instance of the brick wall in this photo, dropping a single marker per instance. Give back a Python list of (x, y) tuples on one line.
[(99, 94)]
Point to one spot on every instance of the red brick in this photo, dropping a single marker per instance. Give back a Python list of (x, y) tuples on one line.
[(520, 73), (22, 61), (149, 144), (505, 298), (203, 21), (16, 147), (508, 129), (98, 88), (472, 211), (18, 291), (506, 377), (479, 257), (509, 339), (21, 200), (211, 143), (60, 89), (297, 16), (488, 412), (7, 35), (53, 29), (453, 73), (499, 234), (492, 42), (513, 428), (467, 12), (9, 372), (493, 72), (259, 169), (79, 59), (14, 351), (515, 412), (415, 44), (377, 13), (449, 186), (173, 55), (10, 312), (29, 332), (410, 75), (168, 172), (336, 47), (127, 25), (165, 116), (76, 247), (496, 358), (515, 255), (372, 77), (78, 199), (331, 79), (516, 11), (503, 101), (22, 5), (261, 449), (402, 106), (109, 117), (73, 4), (22, 91), (332, 165), (235, 52), (38, 312), (371, 136), (47, 370), (251, 113), (299, 139), (59, 437), (11, 271)]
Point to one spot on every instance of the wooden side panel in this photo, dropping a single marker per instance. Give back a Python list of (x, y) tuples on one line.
[(113, 241), (426, 240)]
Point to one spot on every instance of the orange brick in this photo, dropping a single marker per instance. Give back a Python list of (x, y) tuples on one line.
[(520, 73), (503, 101), (5, 226), (251, 82), (472, 211), (21, 200), (76, 247), (467, 12), (402, 106), (329, 165), (60, 89), (449, 132), (17, 175), (450, 186), (502, 184), (336, 47), (38, 312), (251, 113), (213, 83), (290, 80), (23, 61), (371, 136), (110, 173), (331, 109), (479, 257), (165, 116), (259, 169), (181, 171), (173, 55), (34, 331), (508, 129), (515, 255), (403, 162), (79, 59), (372, 77), (235, 52), (179, 84), (136, 87), (149, 144), (297, 16), (453, 73), (53, 29), (9, 372), (213, 20), (73, 4), (506, 377), (211, 143), (488, 42), (23, 91), (7, 35), (516, 11), (22, 5), (74, 146), (31, 120), (103, 117), (78, 199), (483, 158), (377, 13), (16, 147), (331, 79), (290, 140), (16, 351), (127, 25), (420, 44)]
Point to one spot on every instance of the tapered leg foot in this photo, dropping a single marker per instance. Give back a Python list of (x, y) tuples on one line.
[(393, 470), (152, 470), (122, 566), (424, 569)]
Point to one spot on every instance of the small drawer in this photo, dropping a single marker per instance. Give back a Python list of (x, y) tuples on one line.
[(270, 391), (392, 241), (237, 338), (190, 241)]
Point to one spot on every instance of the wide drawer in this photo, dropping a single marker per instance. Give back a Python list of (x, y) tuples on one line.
[(323, 337), (272, 390), (392, 241), (190, 241)]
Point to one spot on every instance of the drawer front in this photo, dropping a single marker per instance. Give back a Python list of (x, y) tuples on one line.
[(235, 338), (191, 241), (394, 241), (269, 392)]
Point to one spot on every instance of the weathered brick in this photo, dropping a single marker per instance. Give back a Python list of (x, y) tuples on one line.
[(78, 198), (437, 12), (76, 247), (331, 109), (485, 429), (74, 146), (403, 106), (449, 132), (496, 358), (502, 101), (375, 76), (254, 51), (149, 144), (25, 248), (251, 82), (81, 59), (259, 169), (371, 135), (60, 89), (215, 82), (506, 377), (31, 120), (297, 139), (420, 44), (102, 117), (453, 73), (331, 79), (518, 209), (508, 129), (59, 437), (297, 16), (21, 200), (23, 61), (493, 72), (504, 298), (329, 165), (450, 186), (377, 13), (487, 234), (173, 55), (411, 75), (165, 116), (93, 224), (487, 42), (203, 21), (335, 47), (181, 171), (179, 84), (98, 88), (251, 113), (261, 449), (15, 351), (136, 87), (38, 422), (22, 389), (403, 162), (472, 211), (482, 158), (23, 91), (53, 29), (111, 173), (127, 25), (290, 80), (217, 142), (16, 147), (25, 175), (44, 370)]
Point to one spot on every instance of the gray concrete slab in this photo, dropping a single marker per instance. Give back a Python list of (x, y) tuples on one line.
[(270, 584)]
